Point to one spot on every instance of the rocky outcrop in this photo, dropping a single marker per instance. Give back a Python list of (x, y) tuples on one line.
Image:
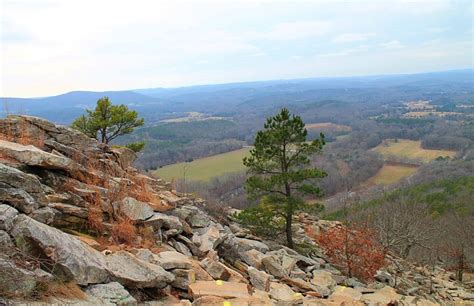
[(259, 279), (15, 279), (112, 293), (135, 273), (172, 260), (133, 209), (218, 288), (32, 156), (20, 190), (68, 256), (7, 216), (74, 210)]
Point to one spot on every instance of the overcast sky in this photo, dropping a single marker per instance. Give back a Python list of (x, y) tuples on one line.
[(51, 47)]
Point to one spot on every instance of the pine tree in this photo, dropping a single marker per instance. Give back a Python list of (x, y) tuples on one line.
[(107, 121), (279, 167)]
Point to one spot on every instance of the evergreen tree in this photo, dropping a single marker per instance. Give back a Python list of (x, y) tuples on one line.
[(279, 167), (107, 121)]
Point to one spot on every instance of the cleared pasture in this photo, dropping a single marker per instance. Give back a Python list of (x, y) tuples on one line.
[(391, 173), (397, 150), (206, 168), (328, 126)]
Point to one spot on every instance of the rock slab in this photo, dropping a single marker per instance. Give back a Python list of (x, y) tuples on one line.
[(73, 259), (218, 288)]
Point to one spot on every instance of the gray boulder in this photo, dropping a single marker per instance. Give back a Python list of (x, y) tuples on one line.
[(18, 179), (298, 273), (112, 293), (273, 267), (144, 254), (284, 294), (324, 280), (73, 259), (66, 209), (44, 215), (215, 269), (134, 209), (183, 278), (32, 156), (14, 279), (190, 245), (21, 190), (159, 220), (253, 258), (182, 248), (135, 273), (385, 277), (192, 215), (172, 260), (244, 244), (7, 215), (6, 244), (259, 279), (288, 263), (209, 238)]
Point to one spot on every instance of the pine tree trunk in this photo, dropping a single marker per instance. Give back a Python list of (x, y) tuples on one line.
[(289, 233), (103, 136)]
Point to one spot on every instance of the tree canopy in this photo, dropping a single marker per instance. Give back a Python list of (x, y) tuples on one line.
[(107, 121), (279, 167)]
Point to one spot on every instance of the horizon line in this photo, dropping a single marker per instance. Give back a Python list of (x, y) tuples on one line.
[(135, 90)]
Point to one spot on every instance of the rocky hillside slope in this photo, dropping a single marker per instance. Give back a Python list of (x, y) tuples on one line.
[(78, 224)]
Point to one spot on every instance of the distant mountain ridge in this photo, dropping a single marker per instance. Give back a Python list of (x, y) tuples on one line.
[(152, 103), (65, 107)]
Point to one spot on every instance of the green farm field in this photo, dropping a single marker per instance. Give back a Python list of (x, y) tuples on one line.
[(410, 149), (391, 173), (206, 168)]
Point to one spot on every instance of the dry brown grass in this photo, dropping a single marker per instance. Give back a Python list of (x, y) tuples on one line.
[(147, 237), (142, 191), (95, 220), (118, 192), (121, 232), (56, 290), (124, 231)]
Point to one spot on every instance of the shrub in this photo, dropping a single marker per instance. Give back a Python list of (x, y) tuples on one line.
[(355, 251), (262, 219), (136, 146)]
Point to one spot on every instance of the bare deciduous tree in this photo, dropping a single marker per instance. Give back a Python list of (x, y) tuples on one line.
[(401, 226)]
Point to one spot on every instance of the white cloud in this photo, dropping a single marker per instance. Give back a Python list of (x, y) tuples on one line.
[(53, 46), (393, 44), (346, 52), (424, 7), (258, 54), (297, 30), (352, 37)]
